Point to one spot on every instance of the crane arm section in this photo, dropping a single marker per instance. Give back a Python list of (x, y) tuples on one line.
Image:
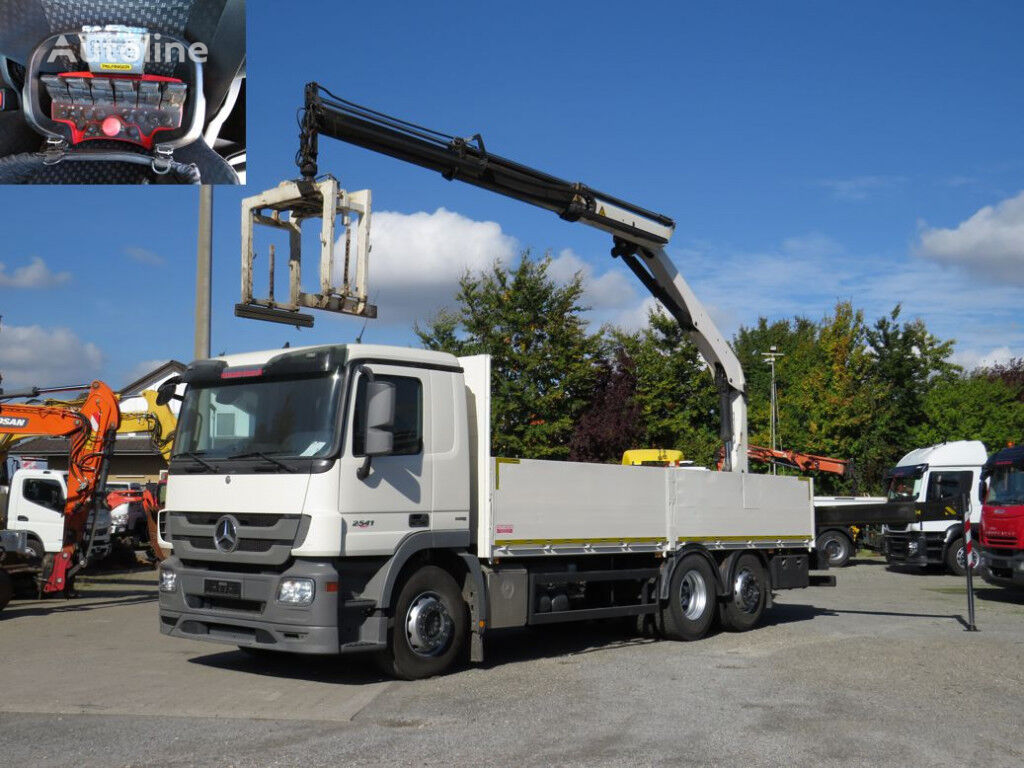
[(90, 429), (639, 234)]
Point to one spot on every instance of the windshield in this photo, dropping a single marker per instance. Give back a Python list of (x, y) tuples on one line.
[(1006, 486), (904, 488), (276, 417)]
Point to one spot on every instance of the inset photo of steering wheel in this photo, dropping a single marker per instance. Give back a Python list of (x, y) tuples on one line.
[(122, 92)]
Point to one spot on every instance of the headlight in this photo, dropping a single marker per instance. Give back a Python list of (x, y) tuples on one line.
[(168, 580), (912, 547), (296, 591)]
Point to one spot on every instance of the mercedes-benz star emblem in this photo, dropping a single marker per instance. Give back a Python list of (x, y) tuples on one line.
[(225, 535)]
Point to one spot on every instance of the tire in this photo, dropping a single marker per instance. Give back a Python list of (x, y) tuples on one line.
[(743, 609), (956, 557), (837, 545), (37, 548), (692, 602), (430, 626), (6, 589)]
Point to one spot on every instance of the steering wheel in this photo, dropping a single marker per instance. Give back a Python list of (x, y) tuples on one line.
[(121, 91)]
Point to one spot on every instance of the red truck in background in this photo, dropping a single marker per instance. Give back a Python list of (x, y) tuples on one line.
[(1002, 519)]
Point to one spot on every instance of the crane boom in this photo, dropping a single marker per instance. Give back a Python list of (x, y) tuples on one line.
[(639, 234)]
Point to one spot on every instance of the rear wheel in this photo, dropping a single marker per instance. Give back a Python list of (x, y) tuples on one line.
[(837, 547), (956, 557), (430, 625), (745, 606), (691, 601)]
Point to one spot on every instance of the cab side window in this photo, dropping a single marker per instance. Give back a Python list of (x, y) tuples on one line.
[(45, 493), (948, 485), (408, 415)]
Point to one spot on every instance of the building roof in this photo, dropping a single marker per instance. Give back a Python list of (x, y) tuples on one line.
[(125, 445), (154, 377)]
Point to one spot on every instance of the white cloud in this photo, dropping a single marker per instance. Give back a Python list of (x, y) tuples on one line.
[(991, 242), (35, 356), (860, 187), (35, 274), (974, 358), (612, 289), (813, 244), (143, 255), (417, 259)]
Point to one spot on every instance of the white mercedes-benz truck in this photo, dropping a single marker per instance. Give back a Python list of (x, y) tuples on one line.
[(343, 498)]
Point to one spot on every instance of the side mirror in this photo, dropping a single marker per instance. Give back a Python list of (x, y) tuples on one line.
[(379, 438), (378, 432), (166, 391)]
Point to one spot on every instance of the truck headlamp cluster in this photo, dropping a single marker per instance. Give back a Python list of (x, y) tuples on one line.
[(168, 580), (296, 591)]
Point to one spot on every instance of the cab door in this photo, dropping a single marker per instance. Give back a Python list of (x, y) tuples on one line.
[(37, 506), (396, 497)]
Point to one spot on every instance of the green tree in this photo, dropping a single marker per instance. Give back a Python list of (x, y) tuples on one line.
[(975, 407), (675, 391), (908, 360), (543, 371)]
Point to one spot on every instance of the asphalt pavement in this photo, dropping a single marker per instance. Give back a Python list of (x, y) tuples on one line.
[(877, 671)]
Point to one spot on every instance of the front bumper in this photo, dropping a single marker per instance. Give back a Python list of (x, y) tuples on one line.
[(329, 625), (913, 548), (1002, 567)]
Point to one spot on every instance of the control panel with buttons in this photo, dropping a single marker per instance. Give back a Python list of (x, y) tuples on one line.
[(131, 108)]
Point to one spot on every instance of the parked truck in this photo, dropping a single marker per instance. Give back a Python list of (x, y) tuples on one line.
[(343, 498), (940, 474), (35, 504), (354, 506), (1001, 550)]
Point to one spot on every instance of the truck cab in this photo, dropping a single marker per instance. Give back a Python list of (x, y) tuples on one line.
[(1001, 550), (35, 504), (939, 472)]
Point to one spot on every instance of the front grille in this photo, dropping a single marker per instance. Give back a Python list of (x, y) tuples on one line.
[(1006, 540), (262, 539), (244, 545)]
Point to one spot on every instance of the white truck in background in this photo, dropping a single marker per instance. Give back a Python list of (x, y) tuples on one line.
[(35, 504), (350, 503), (937, 473)]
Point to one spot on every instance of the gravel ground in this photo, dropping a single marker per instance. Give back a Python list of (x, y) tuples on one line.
[(878, 671)]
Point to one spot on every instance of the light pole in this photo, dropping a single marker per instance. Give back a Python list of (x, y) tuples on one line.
[(204, 272), (770, 357)]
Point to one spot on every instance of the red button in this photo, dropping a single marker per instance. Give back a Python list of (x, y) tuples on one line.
[(112, 126)]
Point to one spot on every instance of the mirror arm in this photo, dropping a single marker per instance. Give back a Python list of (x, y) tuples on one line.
[(364, 471)]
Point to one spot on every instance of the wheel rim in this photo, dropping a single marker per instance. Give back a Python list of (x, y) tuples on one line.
[(693, 595), (747, 591), (428, 625), (833, 549)]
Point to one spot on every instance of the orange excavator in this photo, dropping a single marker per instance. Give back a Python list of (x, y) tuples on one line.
[(91, 428)]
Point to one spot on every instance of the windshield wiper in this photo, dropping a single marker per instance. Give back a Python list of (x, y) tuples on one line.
[(194, 455), (265, 457)]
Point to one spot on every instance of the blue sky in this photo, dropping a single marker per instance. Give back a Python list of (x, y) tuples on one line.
[(809, 152)]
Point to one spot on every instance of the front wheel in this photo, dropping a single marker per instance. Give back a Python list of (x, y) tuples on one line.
[(6, 589), (956, 557), (692, 598), (430, 625)]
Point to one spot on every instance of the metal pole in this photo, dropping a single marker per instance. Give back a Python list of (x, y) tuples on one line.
[(971, 627), (204, 272), (770, 357)]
